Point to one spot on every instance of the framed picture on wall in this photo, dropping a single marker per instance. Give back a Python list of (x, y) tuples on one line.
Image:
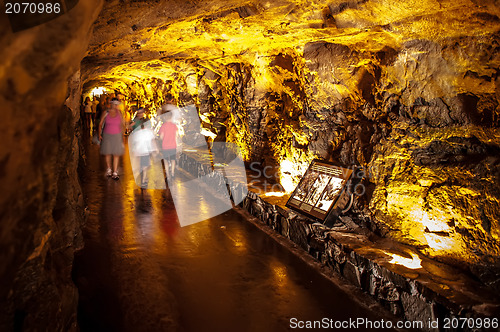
[(319, 189)]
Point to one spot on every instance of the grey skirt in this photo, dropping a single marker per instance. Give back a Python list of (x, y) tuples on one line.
[(112, 144)]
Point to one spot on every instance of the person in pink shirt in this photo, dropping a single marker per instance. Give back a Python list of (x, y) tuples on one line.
[(111, 137), (168, 136)]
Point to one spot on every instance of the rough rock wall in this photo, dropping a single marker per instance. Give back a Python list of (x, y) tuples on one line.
[(424, 122), (406, 89), (422, 118), (41, 202)]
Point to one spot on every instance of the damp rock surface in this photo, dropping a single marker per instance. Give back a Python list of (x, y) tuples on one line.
[(407, 90), (41, 202)]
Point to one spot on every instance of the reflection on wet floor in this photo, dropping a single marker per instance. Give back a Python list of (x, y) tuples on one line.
[(141, 271)]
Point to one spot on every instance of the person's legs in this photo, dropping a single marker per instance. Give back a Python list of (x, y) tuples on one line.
[(108, 161), (115, 175), (167, 166), (166, 163), (163, 166), (144, 169), (169, 160), (115, 163), (173, 165), (108, 164)]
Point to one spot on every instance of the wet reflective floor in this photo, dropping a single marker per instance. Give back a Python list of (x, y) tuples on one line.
[(141, 271)]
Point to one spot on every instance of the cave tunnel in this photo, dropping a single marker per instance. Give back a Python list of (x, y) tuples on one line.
[(273, 103)]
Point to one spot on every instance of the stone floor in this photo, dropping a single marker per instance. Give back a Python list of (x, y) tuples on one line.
[(141, 271)]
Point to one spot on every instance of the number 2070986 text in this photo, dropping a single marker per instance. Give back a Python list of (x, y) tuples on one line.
[(32, 8)]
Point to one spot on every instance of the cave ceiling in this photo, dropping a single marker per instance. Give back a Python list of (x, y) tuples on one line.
[(133, 40)]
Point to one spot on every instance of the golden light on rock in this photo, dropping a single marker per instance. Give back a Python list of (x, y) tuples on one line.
[(411, 263), (275, 194), (288, 173), (423, 210), (292, 171), (442, 244)]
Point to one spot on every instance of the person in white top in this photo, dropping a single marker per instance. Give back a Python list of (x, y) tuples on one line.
[(143, 144)]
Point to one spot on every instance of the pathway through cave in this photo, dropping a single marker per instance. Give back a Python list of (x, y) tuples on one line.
[(141, 271)]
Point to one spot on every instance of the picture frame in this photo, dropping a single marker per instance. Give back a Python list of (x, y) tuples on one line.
[(320, 189)]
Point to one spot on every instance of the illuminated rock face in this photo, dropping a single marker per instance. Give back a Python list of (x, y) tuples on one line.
[(408, 90), (428, 138)]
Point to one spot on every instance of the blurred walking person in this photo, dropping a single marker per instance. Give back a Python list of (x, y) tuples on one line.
[(112, 144), (95, 104), (168, 137), (101, 107), (87, 108), (142, 143), (139, 119)]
